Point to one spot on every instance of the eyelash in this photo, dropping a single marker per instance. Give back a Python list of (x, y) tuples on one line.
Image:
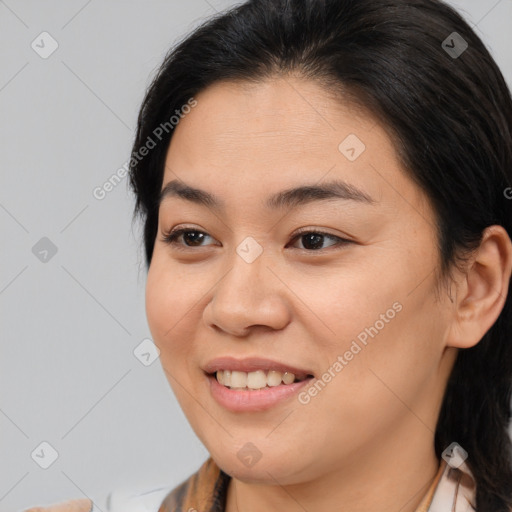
[(170, 238)]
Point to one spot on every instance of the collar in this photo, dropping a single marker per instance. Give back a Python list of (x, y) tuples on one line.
[(456, 490)]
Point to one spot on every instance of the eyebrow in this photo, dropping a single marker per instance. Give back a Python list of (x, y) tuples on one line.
[(288, 198)]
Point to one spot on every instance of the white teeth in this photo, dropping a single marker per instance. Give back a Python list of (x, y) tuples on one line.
[(253, 380), (238, 379), (288, 378), (274, 378), (256, 380)]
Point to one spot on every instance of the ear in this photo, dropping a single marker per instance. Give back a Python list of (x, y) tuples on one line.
[(482, 290)]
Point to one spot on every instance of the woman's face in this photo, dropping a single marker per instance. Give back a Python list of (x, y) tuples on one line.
[(359, 315)]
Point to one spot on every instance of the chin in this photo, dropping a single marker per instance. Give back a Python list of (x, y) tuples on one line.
[(267, 470)]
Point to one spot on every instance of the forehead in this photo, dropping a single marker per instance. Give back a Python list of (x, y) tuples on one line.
[(289, 111), (251, 139)]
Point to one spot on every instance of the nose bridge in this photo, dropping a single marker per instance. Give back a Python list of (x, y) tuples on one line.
[(248, 293), (248, 277)]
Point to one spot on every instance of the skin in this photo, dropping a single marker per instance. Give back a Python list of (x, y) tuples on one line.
[(366, 441)]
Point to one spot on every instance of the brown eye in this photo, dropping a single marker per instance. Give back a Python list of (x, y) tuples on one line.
[(190, 237), (314, 240)]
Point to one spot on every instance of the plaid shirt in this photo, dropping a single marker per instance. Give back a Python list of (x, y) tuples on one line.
[(452, 490)]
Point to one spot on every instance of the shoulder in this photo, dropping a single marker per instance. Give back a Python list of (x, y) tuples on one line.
[(148, 500), (203, 490), (81, 505), (144, 500)]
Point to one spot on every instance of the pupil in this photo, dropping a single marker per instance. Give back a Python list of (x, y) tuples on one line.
[(315, 239), (189, 236)]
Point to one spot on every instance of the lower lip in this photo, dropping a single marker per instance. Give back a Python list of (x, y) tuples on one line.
[(253, 400)]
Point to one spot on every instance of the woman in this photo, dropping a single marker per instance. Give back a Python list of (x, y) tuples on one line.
[(325, 191)]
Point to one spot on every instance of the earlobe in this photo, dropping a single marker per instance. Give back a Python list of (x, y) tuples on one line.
[(482, 291)]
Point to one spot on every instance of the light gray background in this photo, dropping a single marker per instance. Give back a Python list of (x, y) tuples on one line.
[(70, 325)]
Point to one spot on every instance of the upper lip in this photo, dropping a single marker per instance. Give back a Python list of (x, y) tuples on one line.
[(250, 364)]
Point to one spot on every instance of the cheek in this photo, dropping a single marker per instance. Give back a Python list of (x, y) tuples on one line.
[(171, 320), (370, 318), (169, 305), (338, 305)]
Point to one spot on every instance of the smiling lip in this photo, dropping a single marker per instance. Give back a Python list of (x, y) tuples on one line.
[(253, 400), (251, 364)]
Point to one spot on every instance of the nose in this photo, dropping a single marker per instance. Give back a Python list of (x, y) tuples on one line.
[(248, 295)]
